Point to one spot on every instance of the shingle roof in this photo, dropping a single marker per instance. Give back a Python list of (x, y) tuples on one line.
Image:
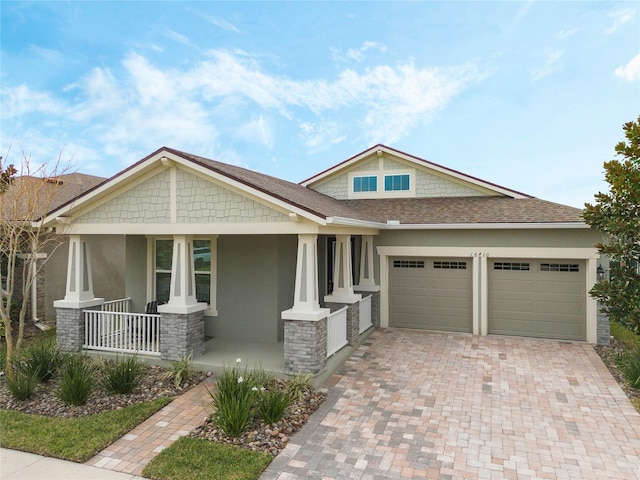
[(450, 210)]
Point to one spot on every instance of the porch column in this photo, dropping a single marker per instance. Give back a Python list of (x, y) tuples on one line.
[(78, 296), (182, 319), (343, 294), (305, 324), (367, 279)]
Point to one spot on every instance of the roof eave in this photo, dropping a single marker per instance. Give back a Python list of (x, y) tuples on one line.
[(486, 226)]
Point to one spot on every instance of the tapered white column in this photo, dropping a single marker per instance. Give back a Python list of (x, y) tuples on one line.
[(182, 295), (79, 287), (306, 305), (342, 275)]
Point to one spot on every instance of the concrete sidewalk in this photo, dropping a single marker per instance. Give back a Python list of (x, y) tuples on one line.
[(15, 465)]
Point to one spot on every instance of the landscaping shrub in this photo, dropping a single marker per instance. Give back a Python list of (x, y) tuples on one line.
[(42, 358), (122, 376), (180, 370), (299, 386), (23, 383), (629, 364), (77, 380), (233, 400), (272, 404)]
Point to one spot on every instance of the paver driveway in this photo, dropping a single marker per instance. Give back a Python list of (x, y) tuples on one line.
[(413, 404)]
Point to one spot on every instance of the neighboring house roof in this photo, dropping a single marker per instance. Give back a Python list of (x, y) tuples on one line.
[(506, 207), (51, 193)]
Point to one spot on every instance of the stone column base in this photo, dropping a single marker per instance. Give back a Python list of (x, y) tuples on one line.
[(181, 335), (70, 329), (305, 346), (603, 328)]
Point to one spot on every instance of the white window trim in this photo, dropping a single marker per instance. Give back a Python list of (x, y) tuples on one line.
[(212, 309)]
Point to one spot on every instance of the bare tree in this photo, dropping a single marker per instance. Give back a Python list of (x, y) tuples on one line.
[(25, 200)]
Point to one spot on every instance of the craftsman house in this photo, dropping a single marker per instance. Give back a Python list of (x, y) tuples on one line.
[(202, 253)]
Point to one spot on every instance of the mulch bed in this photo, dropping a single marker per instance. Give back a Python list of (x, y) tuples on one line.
[(608, 354)]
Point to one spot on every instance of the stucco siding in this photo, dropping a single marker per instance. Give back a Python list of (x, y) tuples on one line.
[(147, 202), (201, 201), (254, 278), (136, 272)]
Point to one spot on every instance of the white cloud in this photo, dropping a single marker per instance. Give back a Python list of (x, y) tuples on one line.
[(551, 65), (356, 54), (221, 23), (178, 37), (319, 136), (619, 18), (258, 130), (564, 34), (22, 100), (630, 71)]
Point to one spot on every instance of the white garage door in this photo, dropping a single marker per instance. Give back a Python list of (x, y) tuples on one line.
[(537, 298), (431, 293)]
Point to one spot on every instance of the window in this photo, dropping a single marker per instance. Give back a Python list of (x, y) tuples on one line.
[(408, 264), (396, 182), (365, 184), (518, 266), (203, 254), (202, 262), (559, 267), (450, 265)]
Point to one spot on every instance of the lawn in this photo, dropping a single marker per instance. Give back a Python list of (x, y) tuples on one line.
[(76, 439)]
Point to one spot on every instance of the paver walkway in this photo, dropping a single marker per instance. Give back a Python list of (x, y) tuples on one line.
[(131, 453), (412, 404)]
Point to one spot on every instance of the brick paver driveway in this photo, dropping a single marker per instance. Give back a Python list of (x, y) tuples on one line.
[(412, 404)]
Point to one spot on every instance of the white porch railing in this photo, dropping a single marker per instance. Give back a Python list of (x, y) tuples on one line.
[(120, 305), (122, 332), (365, 314), (336, 331)]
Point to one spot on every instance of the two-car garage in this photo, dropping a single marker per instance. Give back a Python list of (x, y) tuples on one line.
[(525, 297)]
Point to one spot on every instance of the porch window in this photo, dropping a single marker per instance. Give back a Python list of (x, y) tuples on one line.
[(163, 260), (204, 261)]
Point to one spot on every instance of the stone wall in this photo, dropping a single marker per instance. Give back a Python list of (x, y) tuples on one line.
[(70, 329), (305, 346), (603, 333), (181, 335)]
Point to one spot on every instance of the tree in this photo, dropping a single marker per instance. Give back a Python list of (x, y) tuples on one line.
[(24, 201), (617, 215)]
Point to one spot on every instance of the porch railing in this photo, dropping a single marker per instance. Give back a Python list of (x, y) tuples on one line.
[(122, 332), (365, 314), (336, 331), (119, 305)]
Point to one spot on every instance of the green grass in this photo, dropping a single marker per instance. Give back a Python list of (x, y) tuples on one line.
[(194, 459), (626, 336), (75, 439)]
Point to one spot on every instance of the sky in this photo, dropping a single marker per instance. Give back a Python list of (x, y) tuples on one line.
[(529, 95)]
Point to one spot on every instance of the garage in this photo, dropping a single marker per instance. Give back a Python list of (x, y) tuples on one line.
[(431, 293), (537, 298)]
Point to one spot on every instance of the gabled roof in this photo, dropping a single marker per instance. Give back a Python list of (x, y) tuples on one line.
[(513, 208), (419, 162)]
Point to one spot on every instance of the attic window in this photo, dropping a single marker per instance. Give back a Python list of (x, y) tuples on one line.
[(365, 184), (393, 183)]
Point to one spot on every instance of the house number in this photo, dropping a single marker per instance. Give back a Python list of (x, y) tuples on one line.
[(480, 254)]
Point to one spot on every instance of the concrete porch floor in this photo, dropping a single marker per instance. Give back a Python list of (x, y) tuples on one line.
[(220, 353)]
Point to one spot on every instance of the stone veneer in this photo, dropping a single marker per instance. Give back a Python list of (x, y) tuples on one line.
[(181, 335), (70, 329), (305, 346), (603, 333), (353, 319)]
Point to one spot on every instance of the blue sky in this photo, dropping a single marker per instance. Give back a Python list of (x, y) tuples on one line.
[(529, 95)]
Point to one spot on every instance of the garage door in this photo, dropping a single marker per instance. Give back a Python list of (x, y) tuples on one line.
[(430, 293), (537, 298)]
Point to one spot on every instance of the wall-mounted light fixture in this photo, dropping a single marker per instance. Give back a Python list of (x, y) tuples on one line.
[(601, 273)]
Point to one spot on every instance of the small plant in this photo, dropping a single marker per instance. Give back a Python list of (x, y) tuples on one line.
[(122, 376), (77, 380), (23, 383), (299, 386), (42, 359), (629, 365), (272, 404), (180, 371), (233, 400)]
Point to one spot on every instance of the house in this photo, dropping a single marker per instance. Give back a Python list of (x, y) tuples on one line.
[(29, 198), (384, 238)]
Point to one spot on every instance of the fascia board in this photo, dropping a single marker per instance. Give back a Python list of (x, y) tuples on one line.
[(487, 226)]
